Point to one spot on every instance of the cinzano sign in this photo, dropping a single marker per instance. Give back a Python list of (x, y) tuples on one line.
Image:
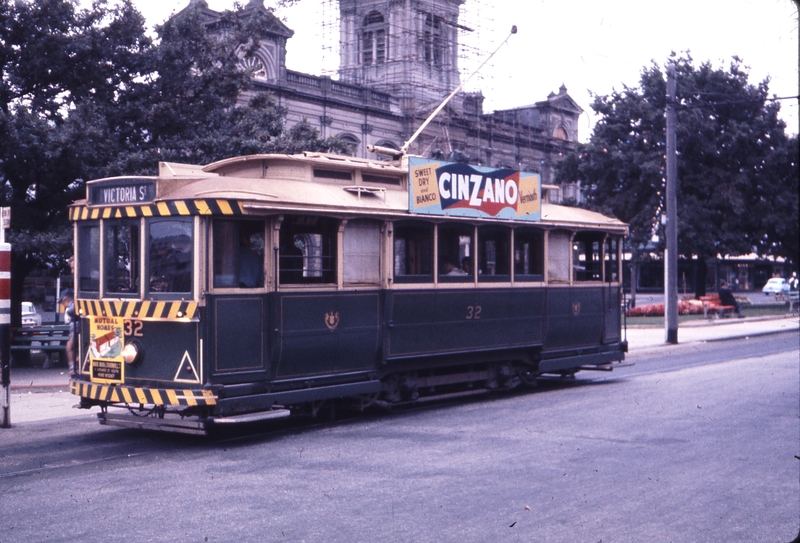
[(449, 188)]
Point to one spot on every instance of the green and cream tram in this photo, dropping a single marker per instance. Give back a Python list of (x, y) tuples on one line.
[(262, 286)]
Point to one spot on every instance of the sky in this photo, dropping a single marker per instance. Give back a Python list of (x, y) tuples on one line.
[(586, 45)]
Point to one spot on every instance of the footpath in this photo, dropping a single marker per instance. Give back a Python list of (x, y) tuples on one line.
[(41, 394)]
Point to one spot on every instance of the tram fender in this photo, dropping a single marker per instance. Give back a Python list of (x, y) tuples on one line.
[(256, 402), (574, 362)]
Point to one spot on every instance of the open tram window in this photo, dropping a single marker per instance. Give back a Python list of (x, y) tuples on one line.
[(494, 255), (121, 267), (413, 252), (362, 252), (308, 250), (586, 249), (455, 252), (238, 254), (88, 265), (528, 254), (611, 256), (170, 255)]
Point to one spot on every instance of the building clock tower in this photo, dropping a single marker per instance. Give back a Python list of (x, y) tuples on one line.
[(408, 48)]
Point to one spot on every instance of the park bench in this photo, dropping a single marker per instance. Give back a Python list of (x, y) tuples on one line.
[(52, 340), (712, 306)]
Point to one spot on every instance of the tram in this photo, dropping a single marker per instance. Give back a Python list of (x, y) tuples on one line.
[(265, 286)]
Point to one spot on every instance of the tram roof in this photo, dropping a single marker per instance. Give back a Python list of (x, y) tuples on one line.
[(317, 182)]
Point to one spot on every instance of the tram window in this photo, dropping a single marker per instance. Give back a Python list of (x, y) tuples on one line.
[(586, 263), (611, 259), (558, 256), (413, 252), (455, 252), (121, 268), (528, 254), (307, 250), (89, 259), (170, 255), (362, 252), (238, 254), (494, 257)]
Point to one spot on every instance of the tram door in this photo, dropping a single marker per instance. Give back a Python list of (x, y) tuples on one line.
[(238, 307)]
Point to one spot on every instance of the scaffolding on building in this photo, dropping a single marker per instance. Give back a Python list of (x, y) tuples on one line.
[(475, 35)]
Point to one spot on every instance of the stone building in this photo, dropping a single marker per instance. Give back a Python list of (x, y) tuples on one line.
[(398, 61)]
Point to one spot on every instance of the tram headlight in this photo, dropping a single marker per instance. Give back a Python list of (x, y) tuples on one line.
[(132, 353)]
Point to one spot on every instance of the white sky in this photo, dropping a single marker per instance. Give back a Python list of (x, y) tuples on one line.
[(588, 45)]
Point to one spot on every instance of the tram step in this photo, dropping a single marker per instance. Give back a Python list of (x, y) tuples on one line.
[(252, 417)]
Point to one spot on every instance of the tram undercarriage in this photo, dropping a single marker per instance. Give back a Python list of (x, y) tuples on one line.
[(397, 389)]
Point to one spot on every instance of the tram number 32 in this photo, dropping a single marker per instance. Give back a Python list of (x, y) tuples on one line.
[(473, 312), (133, 328)]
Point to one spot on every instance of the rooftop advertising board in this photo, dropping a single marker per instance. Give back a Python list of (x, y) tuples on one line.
[(450, 188)]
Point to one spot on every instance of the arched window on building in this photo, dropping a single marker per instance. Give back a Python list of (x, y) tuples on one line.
[(351, 140), (373, 43), (560, 133), (259, 65)]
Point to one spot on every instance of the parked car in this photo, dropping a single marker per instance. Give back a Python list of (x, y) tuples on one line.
[(30, 317), (776, 285)]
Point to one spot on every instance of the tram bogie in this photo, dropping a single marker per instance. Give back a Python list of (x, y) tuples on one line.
[(259, 287)]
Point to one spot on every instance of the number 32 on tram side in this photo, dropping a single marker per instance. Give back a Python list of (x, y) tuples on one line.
[(262, 286)]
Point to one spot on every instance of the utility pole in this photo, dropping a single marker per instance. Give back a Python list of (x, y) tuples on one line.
[(671, 252)]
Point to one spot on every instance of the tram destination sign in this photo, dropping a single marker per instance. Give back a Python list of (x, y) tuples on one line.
[(450, 188), (122, 192)]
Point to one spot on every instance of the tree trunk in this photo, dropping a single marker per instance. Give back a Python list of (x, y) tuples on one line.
[(700, 277)]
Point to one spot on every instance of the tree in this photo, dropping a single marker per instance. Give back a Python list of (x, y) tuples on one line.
[(85, 94), (737, 168)]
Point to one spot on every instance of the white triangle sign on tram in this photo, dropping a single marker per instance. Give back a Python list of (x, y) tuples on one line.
[(186, 373)]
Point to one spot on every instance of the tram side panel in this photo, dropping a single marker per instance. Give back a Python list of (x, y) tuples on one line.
[(441, 322), (324, 334), (238, 345), (574, 317)]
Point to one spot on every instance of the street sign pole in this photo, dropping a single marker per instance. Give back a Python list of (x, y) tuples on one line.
[(671, 252), (5, 317)]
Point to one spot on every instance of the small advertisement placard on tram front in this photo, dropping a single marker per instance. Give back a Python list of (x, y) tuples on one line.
[(450, 188), (105, 349)]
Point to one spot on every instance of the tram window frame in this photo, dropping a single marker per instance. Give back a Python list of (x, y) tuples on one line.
[(587, 256), (87, 268), (361, 252), (611, 259), (239, 248), (494, 267), (126, 282), (412, 252), (455, 247), (559, 256), (154, 276), (529, 242), (299, 230)]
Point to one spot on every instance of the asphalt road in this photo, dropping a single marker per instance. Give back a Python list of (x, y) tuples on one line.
[(694, 443)]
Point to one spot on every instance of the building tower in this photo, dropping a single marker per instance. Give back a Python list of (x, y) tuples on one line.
[(407, 48)]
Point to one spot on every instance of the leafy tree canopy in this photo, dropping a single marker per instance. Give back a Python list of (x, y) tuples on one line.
[(737, 169), (86, 94)]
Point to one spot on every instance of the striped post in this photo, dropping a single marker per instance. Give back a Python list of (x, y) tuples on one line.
[(5, 330)]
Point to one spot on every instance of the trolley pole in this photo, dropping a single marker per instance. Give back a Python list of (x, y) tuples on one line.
[(5, 319), (671, 252)]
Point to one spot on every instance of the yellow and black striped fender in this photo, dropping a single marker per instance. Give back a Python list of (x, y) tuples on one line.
[(143, 395), (133, 309)]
